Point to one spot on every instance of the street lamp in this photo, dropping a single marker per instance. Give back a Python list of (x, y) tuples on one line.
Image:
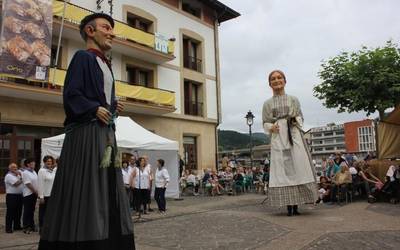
[(249, 120)]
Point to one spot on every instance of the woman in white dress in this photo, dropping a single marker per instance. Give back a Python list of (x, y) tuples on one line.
[(292, 179)]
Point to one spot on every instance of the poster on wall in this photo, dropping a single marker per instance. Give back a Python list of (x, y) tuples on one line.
[(26, 39)]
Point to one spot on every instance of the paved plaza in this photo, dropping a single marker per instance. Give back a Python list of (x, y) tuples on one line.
[(242, 222)]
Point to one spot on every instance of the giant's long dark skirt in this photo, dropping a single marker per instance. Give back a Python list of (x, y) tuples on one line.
[(88, 208)]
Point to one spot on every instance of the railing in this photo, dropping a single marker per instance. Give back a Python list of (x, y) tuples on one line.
[(74, 14), (193, 108), (191, 62), (129, 92)]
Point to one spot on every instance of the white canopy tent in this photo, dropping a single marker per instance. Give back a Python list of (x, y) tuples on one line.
[(133, 138)]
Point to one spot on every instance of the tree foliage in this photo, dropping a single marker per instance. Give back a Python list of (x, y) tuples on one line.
[(367, 80)]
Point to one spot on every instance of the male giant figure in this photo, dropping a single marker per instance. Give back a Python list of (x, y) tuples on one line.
[(88, 208)]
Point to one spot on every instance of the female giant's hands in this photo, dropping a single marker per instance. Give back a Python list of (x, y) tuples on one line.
[(274, 129)]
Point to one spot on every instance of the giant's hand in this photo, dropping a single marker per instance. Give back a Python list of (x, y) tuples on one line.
[(120, 107), (274, 129), (103, 115)]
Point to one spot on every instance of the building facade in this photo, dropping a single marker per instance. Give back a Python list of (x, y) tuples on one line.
[(355, 137), (326, 140), (165, 59), (360, 137)]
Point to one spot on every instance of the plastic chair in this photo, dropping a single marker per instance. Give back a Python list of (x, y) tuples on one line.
[(239, 187)]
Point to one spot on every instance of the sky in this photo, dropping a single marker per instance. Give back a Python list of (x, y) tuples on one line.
[(294, 36)]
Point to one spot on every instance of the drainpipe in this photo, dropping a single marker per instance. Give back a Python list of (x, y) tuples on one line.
[(217, 82)]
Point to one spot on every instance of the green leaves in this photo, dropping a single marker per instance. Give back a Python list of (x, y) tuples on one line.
[(367, 80)]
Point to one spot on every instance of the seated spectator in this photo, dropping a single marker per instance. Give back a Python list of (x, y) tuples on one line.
[(192, 181), (324, 191), (206, 181), (248, 179), (228, 179), (371, 183), (183, 178), (258, 180), (340, 182), (238, 180), (392, 184), (329, 169), (338, 163), (221, 173), (206, 176), (216, 186)]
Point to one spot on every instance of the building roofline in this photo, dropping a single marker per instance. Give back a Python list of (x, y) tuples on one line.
[(224, 13)]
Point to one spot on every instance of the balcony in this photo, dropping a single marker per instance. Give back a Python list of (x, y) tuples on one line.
[(137, 99), (193, 63), (328, 143), (129, 41), (324, 137)]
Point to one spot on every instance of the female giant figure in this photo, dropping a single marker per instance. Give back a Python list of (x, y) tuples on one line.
[(292, 180)]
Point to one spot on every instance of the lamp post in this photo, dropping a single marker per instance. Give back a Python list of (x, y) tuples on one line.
[(249, 120)]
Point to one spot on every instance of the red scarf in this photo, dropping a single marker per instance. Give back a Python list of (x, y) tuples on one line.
[(101, 55)]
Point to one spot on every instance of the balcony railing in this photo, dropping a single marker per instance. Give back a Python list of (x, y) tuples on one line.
[(74, 15), (193, 63), (193, 108), (128, 92)]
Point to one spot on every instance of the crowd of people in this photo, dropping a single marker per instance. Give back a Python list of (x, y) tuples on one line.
[(139, 178), (228, 180), (25, 188), (345, 177), (342, 178)]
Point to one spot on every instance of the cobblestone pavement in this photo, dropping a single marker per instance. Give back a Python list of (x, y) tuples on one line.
[(383, 240), (242, 222)]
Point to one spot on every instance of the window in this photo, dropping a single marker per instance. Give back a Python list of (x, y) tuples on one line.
[(366, 139), (318, 149), (139, 22), (192, 7), (329, 148), (330, 141), (192, 95), (340, 140), (25, 149), (53, 56), (5, 154), (339, 132), (190, 152), (317, 135), (139, 76), (328, 133), (318, 142), (191, 54)]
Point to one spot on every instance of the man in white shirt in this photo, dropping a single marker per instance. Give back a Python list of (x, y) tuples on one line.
[(14, 187), (30, 192), (161, 181)]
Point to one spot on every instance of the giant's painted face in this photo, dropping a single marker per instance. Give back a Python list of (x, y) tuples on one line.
[(277, 81), (103, 34)]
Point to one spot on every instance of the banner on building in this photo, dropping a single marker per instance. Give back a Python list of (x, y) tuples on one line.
[(26, 39), (161, 43)]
